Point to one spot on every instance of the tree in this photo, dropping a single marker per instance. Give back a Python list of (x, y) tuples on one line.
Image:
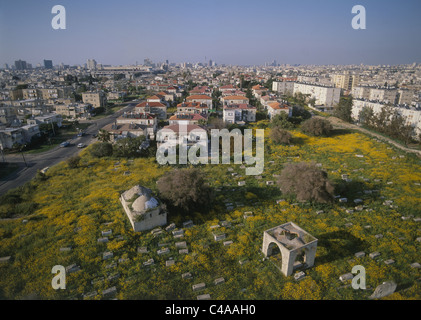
[(280, 136), (299, 114), (185, 189), (281, 120), (317, 127), (73, 162), (101, 149), (128, 147), (366, 117), (343, 110), (104, 135), (306, 182)]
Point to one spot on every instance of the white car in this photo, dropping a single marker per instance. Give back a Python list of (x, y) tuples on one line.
[(81, 145)]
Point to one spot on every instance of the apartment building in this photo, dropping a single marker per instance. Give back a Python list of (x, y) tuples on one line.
[(387, 95), (346, 81), (96, 99), (234, 100), (239, 113), (324, 95), (283, 87), (411, 114)]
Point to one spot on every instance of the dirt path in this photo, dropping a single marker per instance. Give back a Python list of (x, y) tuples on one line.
[(338, 123)]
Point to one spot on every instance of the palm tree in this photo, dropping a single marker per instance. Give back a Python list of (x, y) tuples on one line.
[(104, 135)]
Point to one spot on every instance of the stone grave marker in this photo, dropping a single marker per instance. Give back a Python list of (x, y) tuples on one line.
[(383, 290), (142, 250), (109, 292), (186, 275), (107, 255), (106, 233), (199, 286)]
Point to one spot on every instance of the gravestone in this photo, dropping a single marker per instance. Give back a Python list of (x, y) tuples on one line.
[(107, 255), (219, 281), (179, 232), (102, 240), (181, 245), (374, 255), (188, 224), (383, 290), (106, 233), (199, 286), (359, 254), (219, 236), (299, 275), (389, 261), (241, 183), (109, 292), (169, 263), (227, 243), (142, 250), (204, 297), (183, 251), (149, 262), (346, 276), (64, 249), (163, 251), (171, 227), (415, 265), (226, 224), (269, 183), (186, 275)]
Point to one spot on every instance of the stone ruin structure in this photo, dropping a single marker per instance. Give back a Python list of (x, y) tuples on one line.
[(292, 242), (144, 211)]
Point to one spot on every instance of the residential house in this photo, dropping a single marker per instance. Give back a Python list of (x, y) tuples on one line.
[(189, 118), (202, 99), (234, 100), (274, 108), (239, 113)]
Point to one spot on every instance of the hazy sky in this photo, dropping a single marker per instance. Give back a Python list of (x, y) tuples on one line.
[(226, 31)]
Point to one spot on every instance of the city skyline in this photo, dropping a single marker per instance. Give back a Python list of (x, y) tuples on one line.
[(234, 33)]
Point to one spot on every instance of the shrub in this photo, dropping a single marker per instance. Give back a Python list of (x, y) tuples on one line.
[(317, 127), (73, 162), (185, 189), (102, 149), (306, 182), (280, 136)]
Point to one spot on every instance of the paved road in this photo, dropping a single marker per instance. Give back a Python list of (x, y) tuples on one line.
[(50, 158)]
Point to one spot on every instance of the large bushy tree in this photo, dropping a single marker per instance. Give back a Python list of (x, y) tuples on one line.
[(280, 136), (307, 182), (317, 127), (185, 189), (343, 110)]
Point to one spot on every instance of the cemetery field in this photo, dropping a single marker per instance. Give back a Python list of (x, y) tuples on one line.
[(77, 221)]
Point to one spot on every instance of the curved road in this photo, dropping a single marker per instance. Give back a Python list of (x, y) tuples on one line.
[(52, 157)]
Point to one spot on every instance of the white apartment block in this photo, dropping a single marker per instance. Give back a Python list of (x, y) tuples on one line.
[(283, 87), (383, 94), (324, 95), (411, 114)]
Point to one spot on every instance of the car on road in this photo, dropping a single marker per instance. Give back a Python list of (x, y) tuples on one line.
[(64, 144), (80, 134), (81, 145)]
